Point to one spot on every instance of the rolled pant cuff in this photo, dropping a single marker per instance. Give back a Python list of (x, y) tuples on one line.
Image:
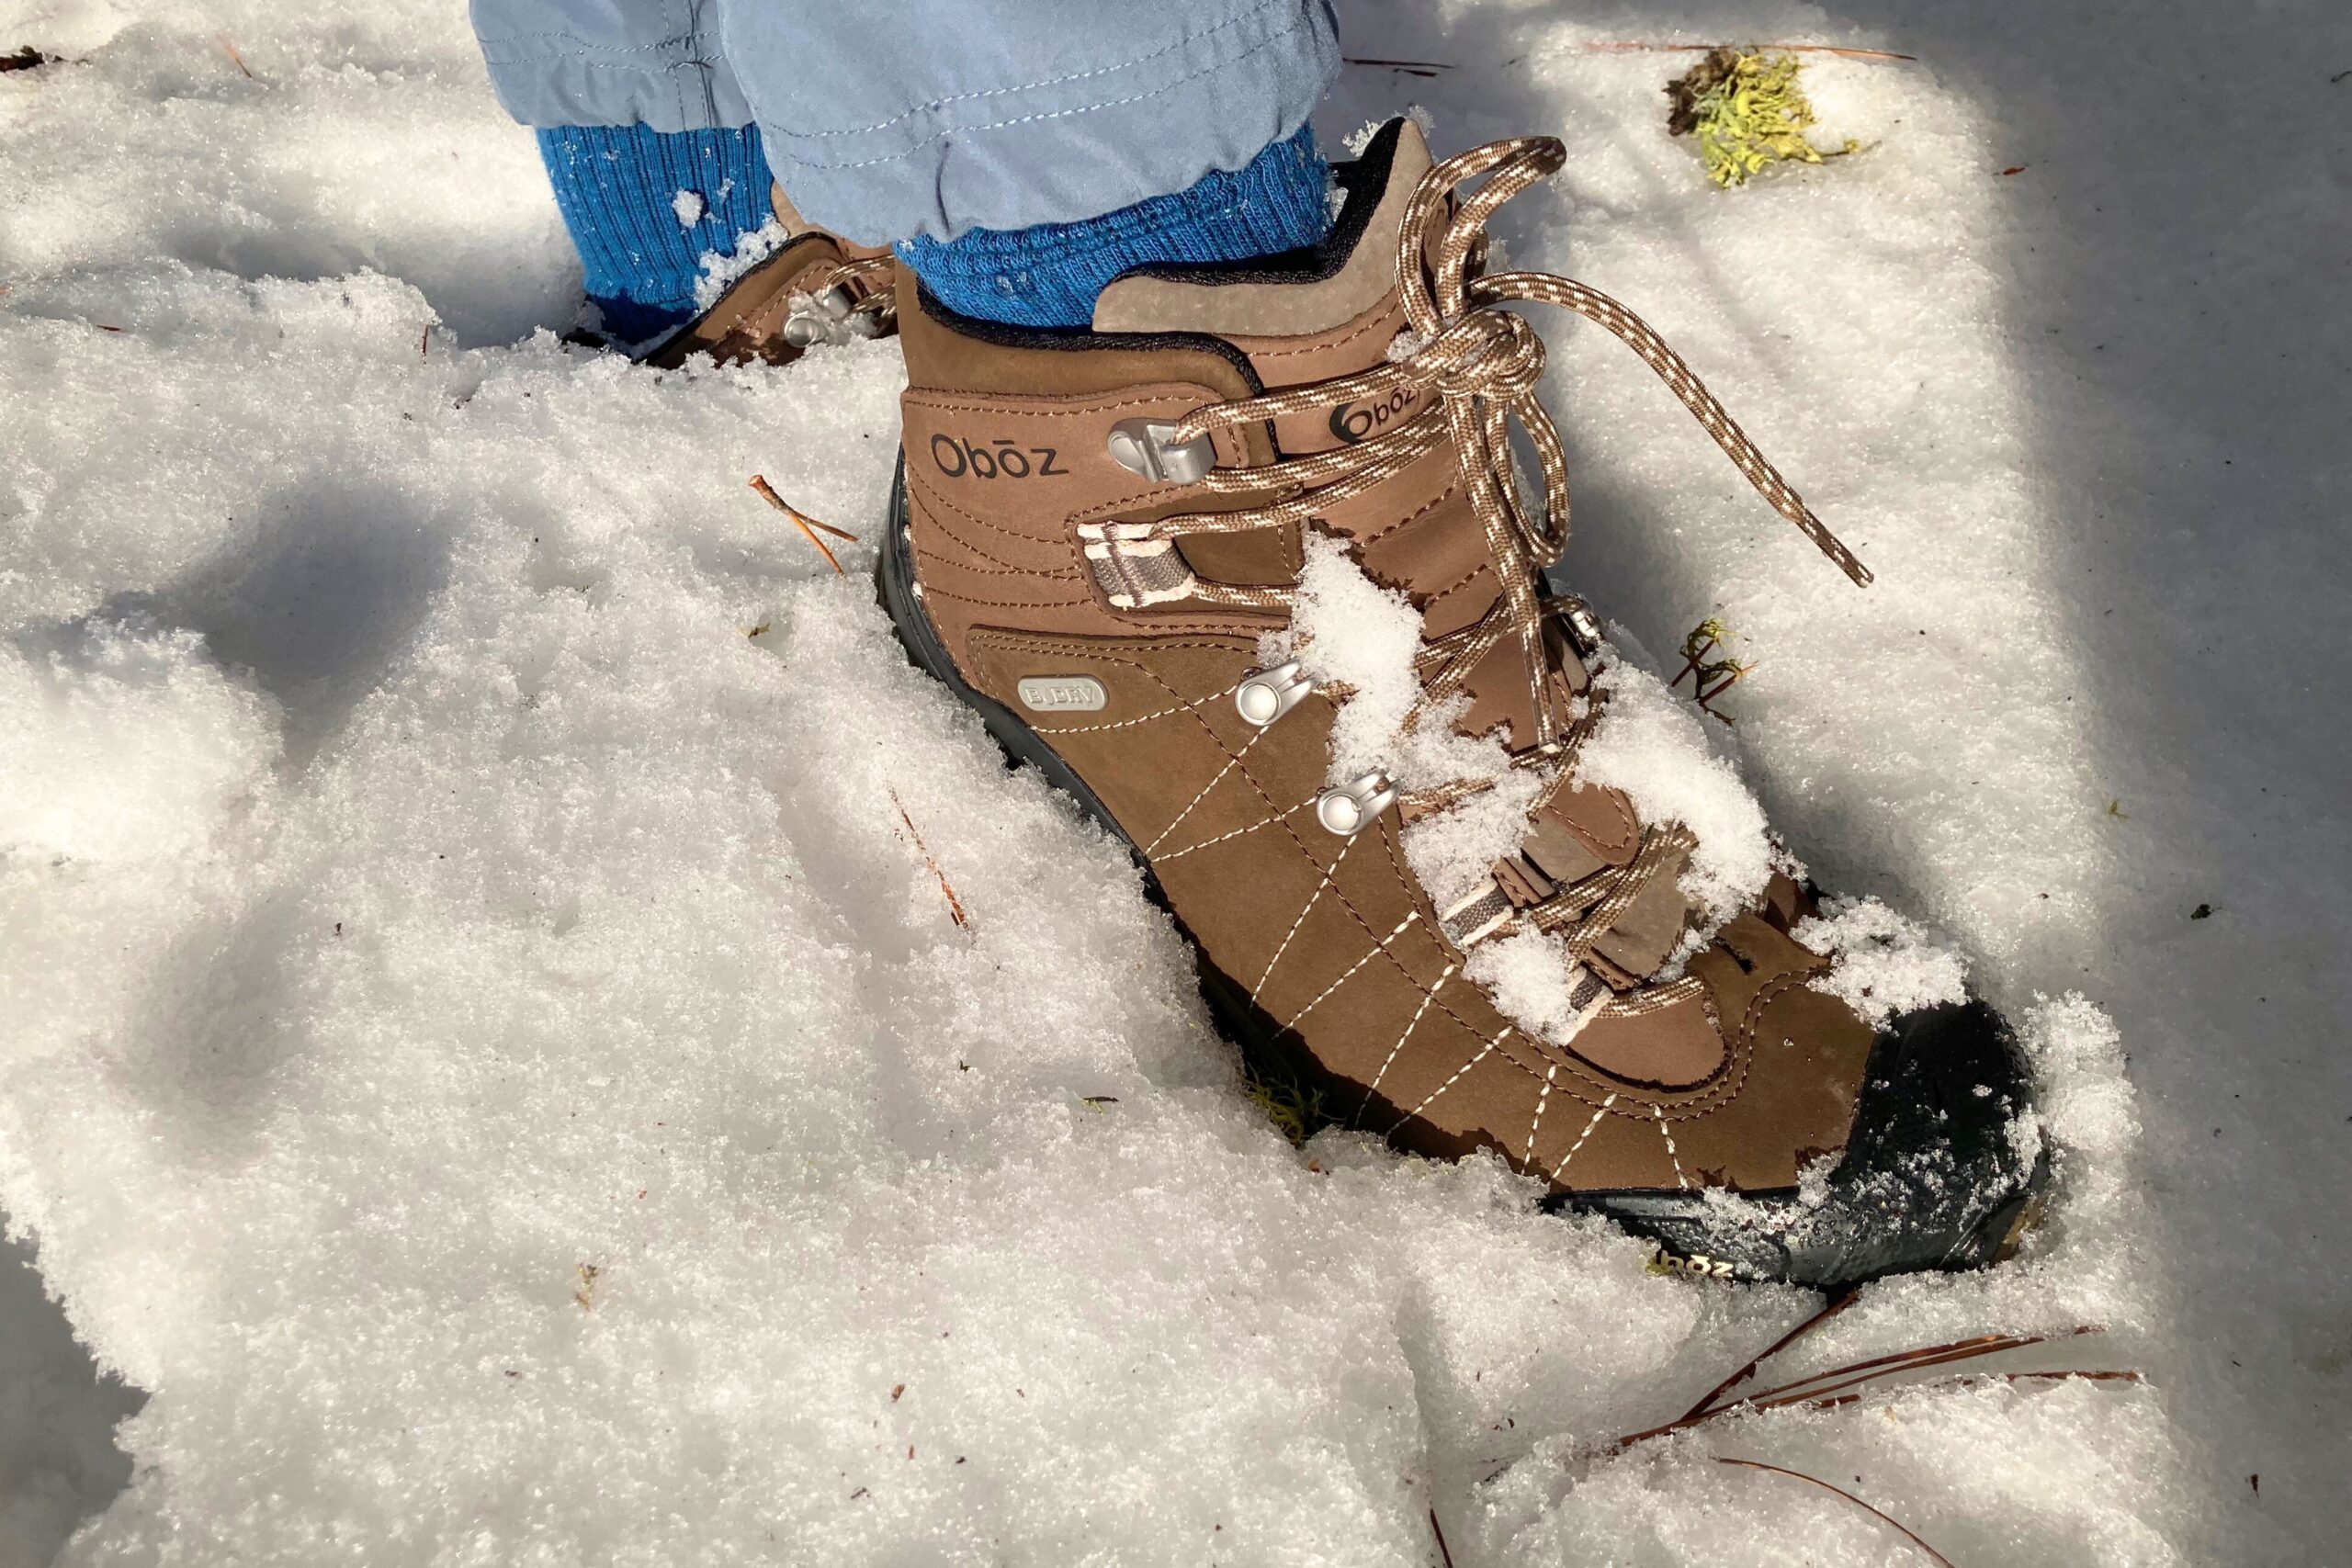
[(1063, 148), (557, 63)]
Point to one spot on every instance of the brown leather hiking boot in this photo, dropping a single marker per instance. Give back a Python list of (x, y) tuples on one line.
[(814, 287), (1118, 545)]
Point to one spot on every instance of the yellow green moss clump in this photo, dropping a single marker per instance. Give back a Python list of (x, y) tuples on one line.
[(1289, 1105), (1748, 114)]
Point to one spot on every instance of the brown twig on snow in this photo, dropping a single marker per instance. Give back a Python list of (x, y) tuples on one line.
[(1410, 67), (424, 343), (1855, 1373), (234, 58), (1822, 1391), (1601, 46), (805, 522), (1967, 1380), (1774, 1348), (955, 904), (1829, 1400), (1442, 1550), (1887, 1520), (1825, 1390)]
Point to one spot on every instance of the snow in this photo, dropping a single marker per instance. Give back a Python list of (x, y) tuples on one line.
[(720, 270), (127, 742), (1348, 630), (1526, 974), (1453, 851), (57, 1462), (1884, 962), (1653, 747), (687, 205), (421, 858)]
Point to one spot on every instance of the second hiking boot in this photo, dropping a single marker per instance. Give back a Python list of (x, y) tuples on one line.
[(813, 287), (1130, 549)]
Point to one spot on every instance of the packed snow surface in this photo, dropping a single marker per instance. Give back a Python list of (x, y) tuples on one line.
[(483, 1044), (130, 740)]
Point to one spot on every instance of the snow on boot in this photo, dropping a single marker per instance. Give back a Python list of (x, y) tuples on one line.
[(1247, 571), (814, 287)]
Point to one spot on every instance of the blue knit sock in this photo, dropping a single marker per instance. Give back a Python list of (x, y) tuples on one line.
[(643, 208), (1049, 275)]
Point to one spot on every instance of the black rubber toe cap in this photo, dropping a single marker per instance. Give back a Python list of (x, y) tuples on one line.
[(1940, 1171)]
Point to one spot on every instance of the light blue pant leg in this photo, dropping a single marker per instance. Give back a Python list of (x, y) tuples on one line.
[(651, 63), (884, 119), (888, 119)]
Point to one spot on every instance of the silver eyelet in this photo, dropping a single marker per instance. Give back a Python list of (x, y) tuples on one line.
[(1349, 808), (821, 318), (1142, 447), (1583, 628), (1266, 694)]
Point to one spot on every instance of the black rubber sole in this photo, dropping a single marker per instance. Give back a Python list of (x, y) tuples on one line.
[(1931, 1180)]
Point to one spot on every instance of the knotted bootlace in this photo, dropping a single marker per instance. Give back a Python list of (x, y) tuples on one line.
[(1482, 363)]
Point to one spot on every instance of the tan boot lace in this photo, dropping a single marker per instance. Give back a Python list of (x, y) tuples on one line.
[(868, 280), (1483, 363), (848, 300)]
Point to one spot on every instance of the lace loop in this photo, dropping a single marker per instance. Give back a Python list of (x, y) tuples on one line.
[(867, 281), (1474, 366)]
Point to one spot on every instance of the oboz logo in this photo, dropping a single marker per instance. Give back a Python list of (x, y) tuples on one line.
[(1697, 1264), (1352, 423), (1061, 693), (1003, 460)]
